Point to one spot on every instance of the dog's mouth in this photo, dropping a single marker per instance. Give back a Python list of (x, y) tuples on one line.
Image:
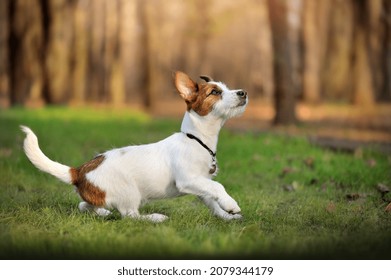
[(242, 103)]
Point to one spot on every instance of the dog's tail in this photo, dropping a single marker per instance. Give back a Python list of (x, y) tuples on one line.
[(41, 161)]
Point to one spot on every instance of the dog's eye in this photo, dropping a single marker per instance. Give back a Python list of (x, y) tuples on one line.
[(215, 92)]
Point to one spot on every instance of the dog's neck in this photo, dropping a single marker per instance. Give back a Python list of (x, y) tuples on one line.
[(205, 128)]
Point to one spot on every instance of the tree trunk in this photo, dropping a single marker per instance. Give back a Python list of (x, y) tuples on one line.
[(315, 33), (58, 51), (131, 51), (145, 63), (362, 91), (4, 65), (285, 95), (375, 34), (79, 65), (115, 84), (336, 76), (25, 52), (96, 49), (385, 92)]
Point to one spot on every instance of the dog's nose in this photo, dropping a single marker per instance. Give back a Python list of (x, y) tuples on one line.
[(241, 93)]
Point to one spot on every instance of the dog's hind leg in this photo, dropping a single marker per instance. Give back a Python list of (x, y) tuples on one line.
[(218, 211), (155, 217), (100, 211), (129, 203)]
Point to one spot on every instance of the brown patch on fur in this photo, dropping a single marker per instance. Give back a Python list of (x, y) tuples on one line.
[(203, 101), (74, 175), (88, 191), (198, 97)]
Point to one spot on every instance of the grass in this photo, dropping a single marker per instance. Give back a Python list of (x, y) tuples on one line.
[(298, 201)]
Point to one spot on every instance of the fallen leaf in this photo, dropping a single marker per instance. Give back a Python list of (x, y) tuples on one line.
[(383, 189), (354, 196), (288, 188), (388, 208), (310, 162), (286, 170), (295, 185), (291, 187), (330, 207)]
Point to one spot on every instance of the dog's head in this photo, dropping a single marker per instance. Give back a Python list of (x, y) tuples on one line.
[(210, 97)]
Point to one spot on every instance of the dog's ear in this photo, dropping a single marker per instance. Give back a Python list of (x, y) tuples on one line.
[(186, 87), (206, 78)]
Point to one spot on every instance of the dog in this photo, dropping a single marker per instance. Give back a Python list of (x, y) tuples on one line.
[(184, 163)]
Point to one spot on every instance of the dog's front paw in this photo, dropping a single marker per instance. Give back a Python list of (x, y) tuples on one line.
[(157, 218), (236, 217), (229, 217), (229, 205)]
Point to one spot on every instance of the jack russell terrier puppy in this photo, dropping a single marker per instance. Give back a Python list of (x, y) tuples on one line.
[(183, 163)]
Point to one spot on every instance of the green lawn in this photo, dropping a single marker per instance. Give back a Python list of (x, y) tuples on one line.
[(298, 201)]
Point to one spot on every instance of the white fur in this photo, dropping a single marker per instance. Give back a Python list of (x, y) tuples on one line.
[(177, 165)]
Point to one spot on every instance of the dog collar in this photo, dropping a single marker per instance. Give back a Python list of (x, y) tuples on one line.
[(214, 162)]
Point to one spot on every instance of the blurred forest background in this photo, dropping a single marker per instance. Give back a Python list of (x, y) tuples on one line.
[(124, 51)]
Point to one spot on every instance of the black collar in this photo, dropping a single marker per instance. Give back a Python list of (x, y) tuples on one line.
[(191, 136)]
